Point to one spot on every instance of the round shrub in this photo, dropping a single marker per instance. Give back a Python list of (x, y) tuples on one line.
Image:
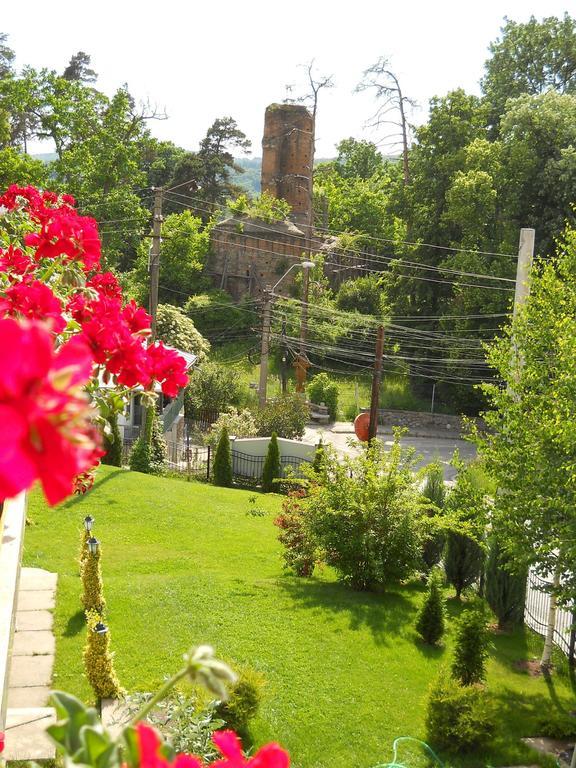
[(243, 702), (459, 718), (323, 390)]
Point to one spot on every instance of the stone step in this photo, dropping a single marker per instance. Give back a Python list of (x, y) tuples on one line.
[(26, 738)]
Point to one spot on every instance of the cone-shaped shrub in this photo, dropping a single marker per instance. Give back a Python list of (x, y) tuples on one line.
[(223, 461), (92, 586), (99, 661), (430, 621), (471, 651), (272, 469), (435, 491), (505, 591), (112, 443), (84, 552)]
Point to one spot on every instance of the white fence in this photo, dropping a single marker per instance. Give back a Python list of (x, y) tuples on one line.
[(536, 615)]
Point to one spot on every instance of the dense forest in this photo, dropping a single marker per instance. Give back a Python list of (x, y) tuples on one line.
[(430, 238)]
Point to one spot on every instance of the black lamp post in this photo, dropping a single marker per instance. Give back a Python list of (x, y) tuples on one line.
[(88, 522), (100, 628), (93, 545)]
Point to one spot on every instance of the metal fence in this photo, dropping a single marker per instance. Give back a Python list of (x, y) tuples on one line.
[(249, 468), (536, 615)]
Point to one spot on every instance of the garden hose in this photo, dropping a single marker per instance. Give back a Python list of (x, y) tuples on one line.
[(399, 740)]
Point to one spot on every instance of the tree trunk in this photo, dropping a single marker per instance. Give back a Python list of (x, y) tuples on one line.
[(546, 660)]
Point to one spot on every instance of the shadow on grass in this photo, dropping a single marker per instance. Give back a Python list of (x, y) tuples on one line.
[(387, 615), (76, 623), (97, 485), (520, 714)]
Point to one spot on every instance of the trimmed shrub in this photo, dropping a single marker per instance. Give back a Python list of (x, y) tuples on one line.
[(459, 718), (99, 661), (430, 621), (299, 547), (113, 443), (505, 591), (287, 416), (463, 561), (323, 390), (271, 469), (471, 650), (435, 492), (141, 457), (92, 585), (244, 701), (223, 461)]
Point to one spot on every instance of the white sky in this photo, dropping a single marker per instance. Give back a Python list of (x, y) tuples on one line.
[(202, 60)]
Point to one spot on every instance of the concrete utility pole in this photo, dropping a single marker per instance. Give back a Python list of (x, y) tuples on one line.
[(265, 347), (155, 256), (525, 258), (376, 378), (302, 361)]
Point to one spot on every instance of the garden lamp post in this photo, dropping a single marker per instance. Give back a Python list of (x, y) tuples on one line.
[(88, 522), (269, 295), (93, 545), (100, 628)]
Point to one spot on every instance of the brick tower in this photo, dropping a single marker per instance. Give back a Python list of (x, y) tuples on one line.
[(288, 157)]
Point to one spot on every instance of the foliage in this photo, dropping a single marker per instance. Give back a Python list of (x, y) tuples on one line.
[(471, 650), (112, 443), (222, 472), (464, 555), (430, 621), (459, 718), (237, 423), (174, 328), (149, 452), (245, 696), (364, 295), (322, 389), (435, 491), (215, 314), (364, 514), (158, 445), (18, 168), (265, 207), (99, 661), (79, 69), (91, 575), (140, 459), (505, 591), (557, 725), (529, 443), (213, 387), (299, 553), (286, 415), (272, 468)]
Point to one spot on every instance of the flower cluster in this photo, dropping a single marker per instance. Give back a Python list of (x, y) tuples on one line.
[(227, 743), (58, 305)]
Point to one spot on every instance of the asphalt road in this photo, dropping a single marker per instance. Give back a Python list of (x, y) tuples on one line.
[(432, 448)]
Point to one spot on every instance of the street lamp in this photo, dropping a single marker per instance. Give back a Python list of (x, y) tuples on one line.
[(306, 266), (93, 545), (100, 628), (88, 522)]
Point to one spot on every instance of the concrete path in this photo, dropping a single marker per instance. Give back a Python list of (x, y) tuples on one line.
[(31, 669)]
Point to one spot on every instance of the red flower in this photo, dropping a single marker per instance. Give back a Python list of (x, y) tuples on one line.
[(35, 300), (45, 428), (149, 744), (10, 198), (136, 318), (167, 368), (106, 284), (13, 261), (65, 233)]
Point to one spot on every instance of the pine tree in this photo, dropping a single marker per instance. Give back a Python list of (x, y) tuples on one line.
[(430, 621), (471, 651), (272, 469), (463, 561), (223, 461), (158, 444), (435, 491), (505, 591)]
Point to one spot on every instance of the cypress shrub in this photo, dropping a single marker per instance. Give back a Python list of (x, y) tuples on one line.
[(92, 585), (272, 469), (158, 445), (223, 461), (99, 662), (430, 621), (471, 650), (463, 561), (505, 591), (459, 718), (113, 443), (141, 457), (435, 492)]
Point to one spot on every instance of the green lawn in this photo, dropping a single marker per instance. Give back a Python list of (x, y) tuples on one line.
[(184, 563)]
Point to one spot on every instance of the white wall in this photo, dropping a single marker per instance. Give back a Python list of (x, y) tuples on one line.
[(258, 446)]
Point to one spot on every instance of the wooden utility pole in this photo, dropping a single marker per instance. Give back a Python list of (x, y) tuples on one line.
[(265, 347), (376, 378), (302, 362), (155, 256)]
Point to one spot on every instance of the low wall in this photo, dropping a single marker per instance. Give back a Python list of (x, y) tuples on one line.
[(419, 421), (258, 446)]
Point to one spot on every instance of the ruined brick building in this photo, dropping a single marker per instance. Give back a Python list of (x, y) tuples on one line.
[(249, 254)]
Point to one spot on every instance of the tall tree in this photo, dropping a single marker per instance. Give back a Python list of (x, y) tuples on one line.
[(79, 69), (393, 110), (7, 56)]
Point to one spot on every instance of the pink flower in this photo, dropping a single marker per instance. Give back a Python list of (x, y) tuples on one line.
[(45, 427), (34, 300), (167, 368), (15, 262), (106, 284), (149, 744), (65, 233)]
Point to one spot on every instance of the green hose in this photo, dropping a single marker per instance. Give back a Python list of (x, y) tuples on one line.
[(399, 740)]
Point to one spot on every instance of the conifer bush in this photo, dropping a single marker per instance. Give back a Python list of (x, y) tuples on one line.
[(435, 492), (272, 469), (113, 443), (430, 623), (244, 699), (459, 718), (471, 650), (505, 591), (223, 461), (92, 585), (99, 661)]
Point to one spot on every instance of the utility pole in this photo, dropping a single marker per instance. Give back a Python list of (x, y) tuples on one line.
[(155, 256), (376, 378), (525, 258), (302, 358), (284, 362), (265, 346)]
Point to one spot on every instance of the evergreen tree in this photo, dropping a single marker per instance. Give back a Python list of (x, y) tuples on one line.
[(505, 591), (430, 621), (158, 444), (463, 561), (113, 443), (435, 491), (471, 651), (272, 469), (223, 461)]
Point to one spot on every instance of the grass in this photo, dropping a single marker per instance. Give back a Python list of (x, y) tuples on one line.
[(353, 391), (184, 563)]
